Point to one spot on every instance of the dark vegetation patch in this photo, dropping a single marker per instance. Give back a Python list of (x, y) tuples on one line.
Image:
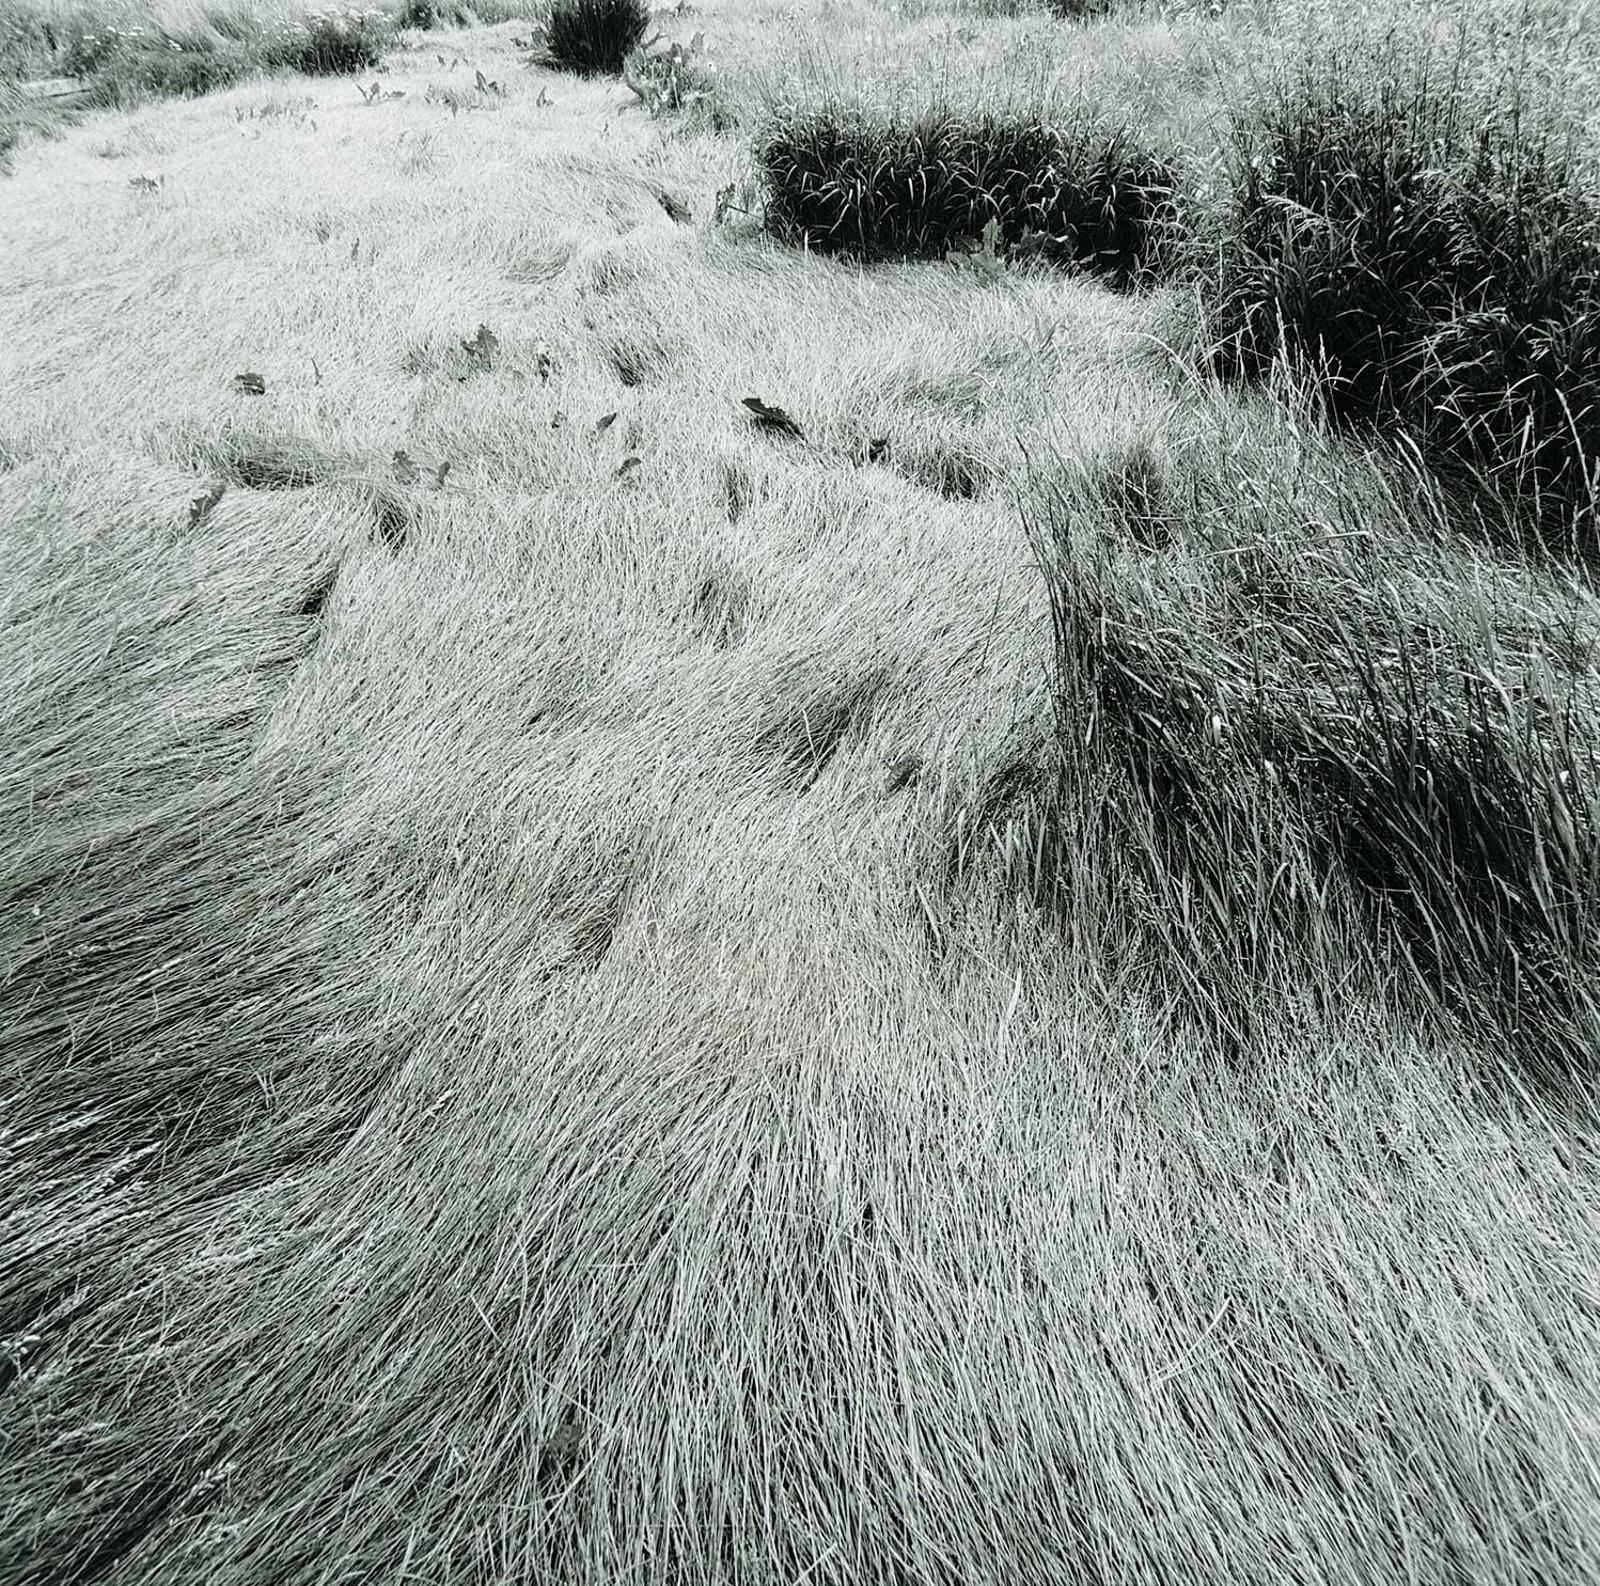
[(435, 14), (638, 357), (392, 515), (315, 598), (738, 489), (674, 81), (1299, 738), (801, 739), (881, 183), (949, 468), (259, 460), (586, 902), (594, 38), (719, 605), (1429, 255), (127, 65), (329, 44), (1012, 823)]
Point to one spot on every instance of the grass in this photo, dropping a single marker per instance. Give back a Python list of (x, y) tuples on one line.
[(1334, 742), (594, 37), (757, 1014), (886, 185), (1434, 254)]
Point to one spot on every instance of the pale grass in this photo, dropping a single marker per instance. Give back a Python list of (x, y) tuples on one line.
[(473, 1115)]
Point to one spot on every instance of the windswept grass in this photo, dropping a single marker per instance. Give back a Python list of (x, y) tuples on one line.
[(1312, 738), (599, 991)]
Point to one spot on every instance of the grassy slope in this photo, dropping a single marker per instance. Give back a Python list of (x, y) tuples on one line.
[(500, 1086)]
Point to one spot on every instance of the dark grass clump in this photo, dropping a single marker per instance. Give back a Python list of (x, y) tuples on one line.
[(331, 44), (594, 38), (1432, 259), (1305, 747), (30, 46), (266, 461), (881, 184)]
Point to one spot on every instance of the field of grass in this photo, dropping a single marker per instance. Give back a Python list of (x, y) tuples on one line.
[(991, 982)]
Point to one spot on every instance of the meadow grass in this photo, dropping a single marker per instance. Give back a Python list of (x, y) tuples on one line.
[(997, 989)]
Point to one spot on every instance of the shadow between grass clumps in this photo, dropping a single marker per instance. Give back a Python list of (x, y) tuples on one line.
[(882, 184), (1300, 736)]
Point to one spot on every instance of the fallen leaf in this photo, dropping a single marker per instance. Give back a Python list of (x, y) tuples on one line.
[(627, 466), (200, 507), (405, 468), (676, 208), (250, 383), (603, 424), (544, 101), (773, 418), (441, 474), (482, 348)]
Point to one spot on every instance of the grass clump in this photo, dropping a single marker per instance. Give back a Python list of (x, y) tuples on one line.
[(594, 38), (331, 43), (1310, 746), (125, 66), (1434, 257), (876, 182), (458, 14), (128, 65)]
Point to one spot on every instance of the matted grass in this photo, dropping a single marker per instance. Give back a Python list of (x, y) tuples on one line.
[(560, 1020)]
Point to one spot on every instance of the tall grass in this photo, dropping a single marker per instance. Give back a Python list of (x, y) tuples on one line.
[(594, 37), (879, 183), (1310, 737), (1432, 252)]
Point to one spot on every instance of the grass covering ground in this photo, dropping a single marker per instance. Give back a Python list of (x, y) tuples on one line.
[(1000, 989)]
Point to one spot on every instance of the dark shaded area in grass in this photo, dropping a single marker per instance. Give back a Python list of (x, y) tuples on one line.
[(877, 185), (1284, 759), (801, 741)]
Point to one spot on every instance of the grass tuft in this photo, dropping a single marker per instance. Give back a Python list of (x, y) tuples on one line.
[(877, 183), (331, 43), (594, 38), (1309, 739), (1432, 256)]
